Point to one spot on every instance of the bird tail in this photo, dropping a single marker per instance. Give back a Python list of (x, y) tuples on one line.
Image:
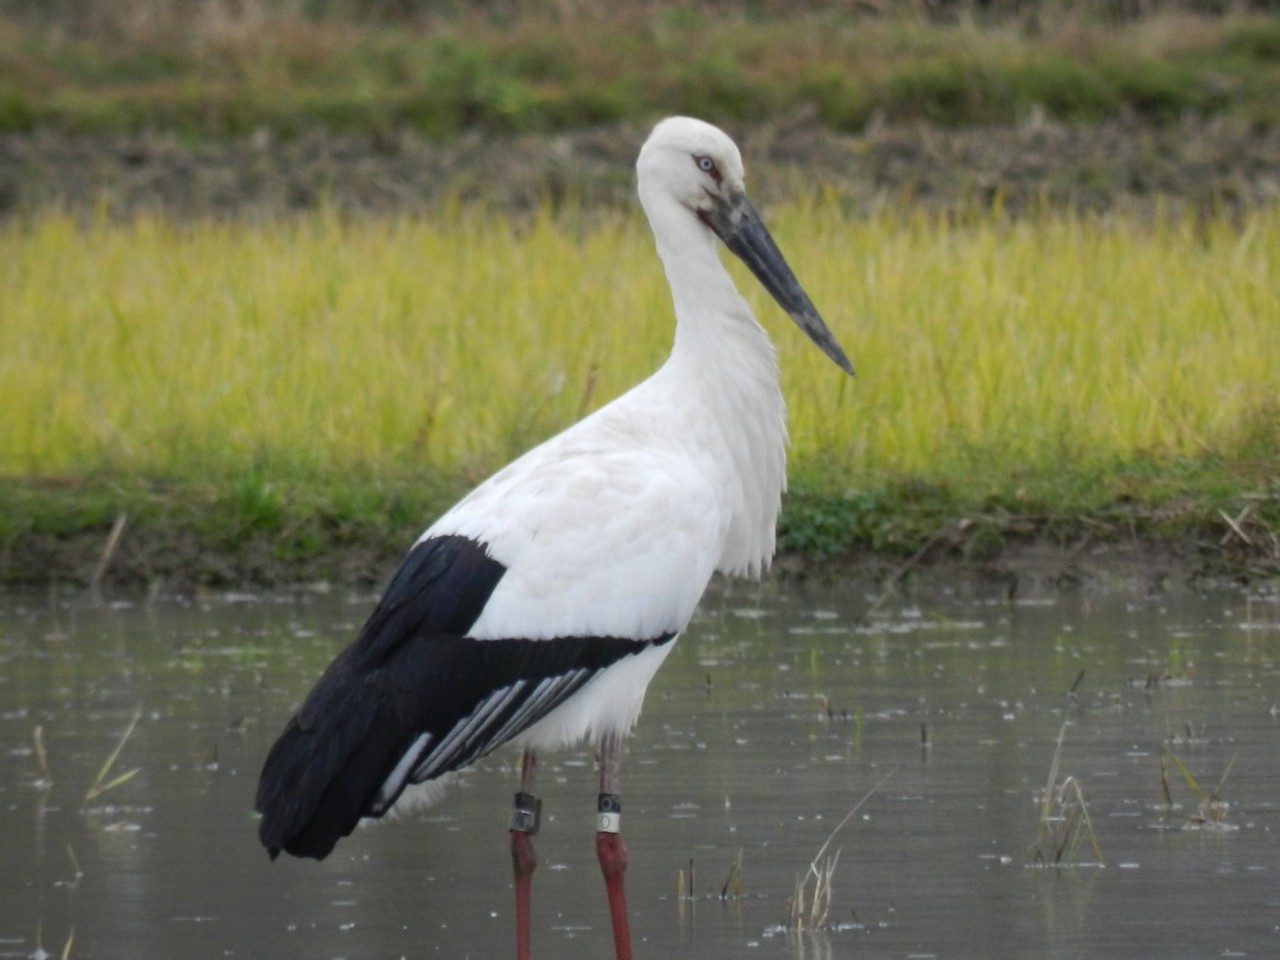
[(324, 772)]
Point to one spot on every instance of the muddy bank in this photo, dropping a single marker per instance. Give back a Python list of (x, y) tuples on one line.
[(175, 562), (1207, 164)]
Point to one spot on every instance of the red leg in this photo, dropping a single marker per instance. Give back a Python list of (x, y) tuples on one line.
[(524, 824), (609, 849), (613, 863), (524, 861)]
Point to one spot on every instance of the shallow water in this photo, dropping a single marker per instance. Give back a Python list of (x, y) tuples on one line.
[(776, 715)]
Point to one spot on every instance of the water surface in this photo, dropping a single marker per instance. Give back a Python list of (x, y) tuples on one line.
[(778, 713)]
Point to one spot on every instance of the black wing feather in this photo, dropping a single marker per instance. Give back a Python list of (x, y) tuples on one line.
[(412, 671), (354, 723)]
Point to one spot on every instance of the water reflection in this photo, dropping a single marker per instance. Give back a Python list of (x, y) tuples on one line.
[(777, 713)]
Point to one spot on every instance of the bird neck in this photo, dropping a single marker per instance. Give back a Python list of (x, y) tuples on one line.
[(714, 325), (724, 366)]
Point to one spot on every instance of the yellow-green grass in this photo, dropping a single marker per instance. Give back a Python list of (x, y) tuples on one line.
[(1058, 361)]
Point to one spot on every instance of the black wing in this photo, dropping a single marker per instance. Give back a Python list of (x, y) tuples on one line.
[(413, 698)]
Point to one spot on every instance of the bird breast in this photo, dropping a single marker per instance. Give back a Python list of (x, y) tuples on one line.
[(614, 527)]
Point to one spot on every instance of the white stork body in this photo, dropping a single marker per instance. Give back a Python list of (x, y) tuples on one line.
[(537, 609), (614, 527)]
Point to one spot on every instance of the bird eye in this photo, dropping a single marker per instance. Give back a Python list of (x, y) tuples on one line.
[(705, 164)]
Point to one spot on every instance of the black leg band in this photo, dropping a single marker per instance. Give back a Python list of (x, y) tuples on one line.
[(528, 813)]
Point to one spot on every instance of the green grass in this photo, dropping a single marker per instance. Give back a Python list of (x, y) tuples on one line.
[(217, 69), (321, 382)]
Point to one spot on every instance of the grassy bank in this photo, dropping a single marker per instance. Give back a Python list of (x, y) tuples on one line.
[(257, 397), (210, 69)]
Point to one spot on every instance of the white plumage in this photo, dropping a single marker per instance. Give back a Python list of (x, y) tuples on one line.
[(538, 608)]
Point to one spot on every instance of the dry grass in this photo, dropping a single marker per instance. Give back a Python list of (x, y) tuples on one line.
[(1063, 825), (809, 907)]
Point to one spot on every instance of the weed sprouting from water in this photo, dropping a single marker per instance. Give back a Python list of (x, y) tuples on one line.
[(45, 783), (684, 884), (1211, 809), (77, 872), (810, 904), (1064, 822), (732, 887), (101, 784), (40, 953), (809, 909)]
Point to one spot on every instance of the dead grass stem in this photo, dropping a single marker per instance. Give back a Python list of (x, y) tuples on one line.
[(1064, 822), (809, 907)]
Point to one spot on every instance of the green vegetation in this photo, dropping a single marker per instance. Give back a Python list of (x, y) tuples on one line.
[(213, 68), (273, 392), (294, 397), (1211, 809)]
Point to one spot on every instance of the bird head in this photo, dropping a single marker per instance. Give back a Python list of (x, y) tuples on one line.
[(698, 166), (693, 161)]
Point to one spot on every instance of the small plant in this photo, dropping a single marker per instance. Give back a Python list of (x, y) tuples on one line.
[(41, 953), (732, 887), (1064, 818), (810, 903), (101, 784), (809, 908), (684, 883), (45, 782), (1211, 809)]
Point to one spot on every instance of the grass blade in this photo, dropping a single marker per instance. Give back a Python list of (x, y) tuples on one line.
[(101, 784)]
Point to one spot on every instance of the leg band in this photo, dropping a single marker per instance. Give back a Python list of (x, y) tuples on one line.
[(527, 815), (609, 813)]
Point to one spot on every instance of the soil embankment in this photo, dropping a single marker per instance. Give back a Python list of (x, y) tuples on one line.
[(1209, 164)]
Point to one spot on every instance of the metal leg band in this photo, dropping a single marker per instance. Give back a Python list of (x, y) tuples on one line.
[(609, 813), (527, 815)]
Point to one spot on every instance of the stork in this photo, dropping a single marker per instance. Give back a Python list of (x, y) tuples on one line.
[(536, 611)]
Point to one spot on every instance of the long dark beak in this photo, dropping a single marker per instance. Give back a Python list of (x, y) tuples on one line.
[(735, 220)]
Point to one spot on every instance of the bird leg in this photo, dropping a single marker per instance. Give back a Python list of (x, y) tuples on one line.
[(524, 824), (609, 849)]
